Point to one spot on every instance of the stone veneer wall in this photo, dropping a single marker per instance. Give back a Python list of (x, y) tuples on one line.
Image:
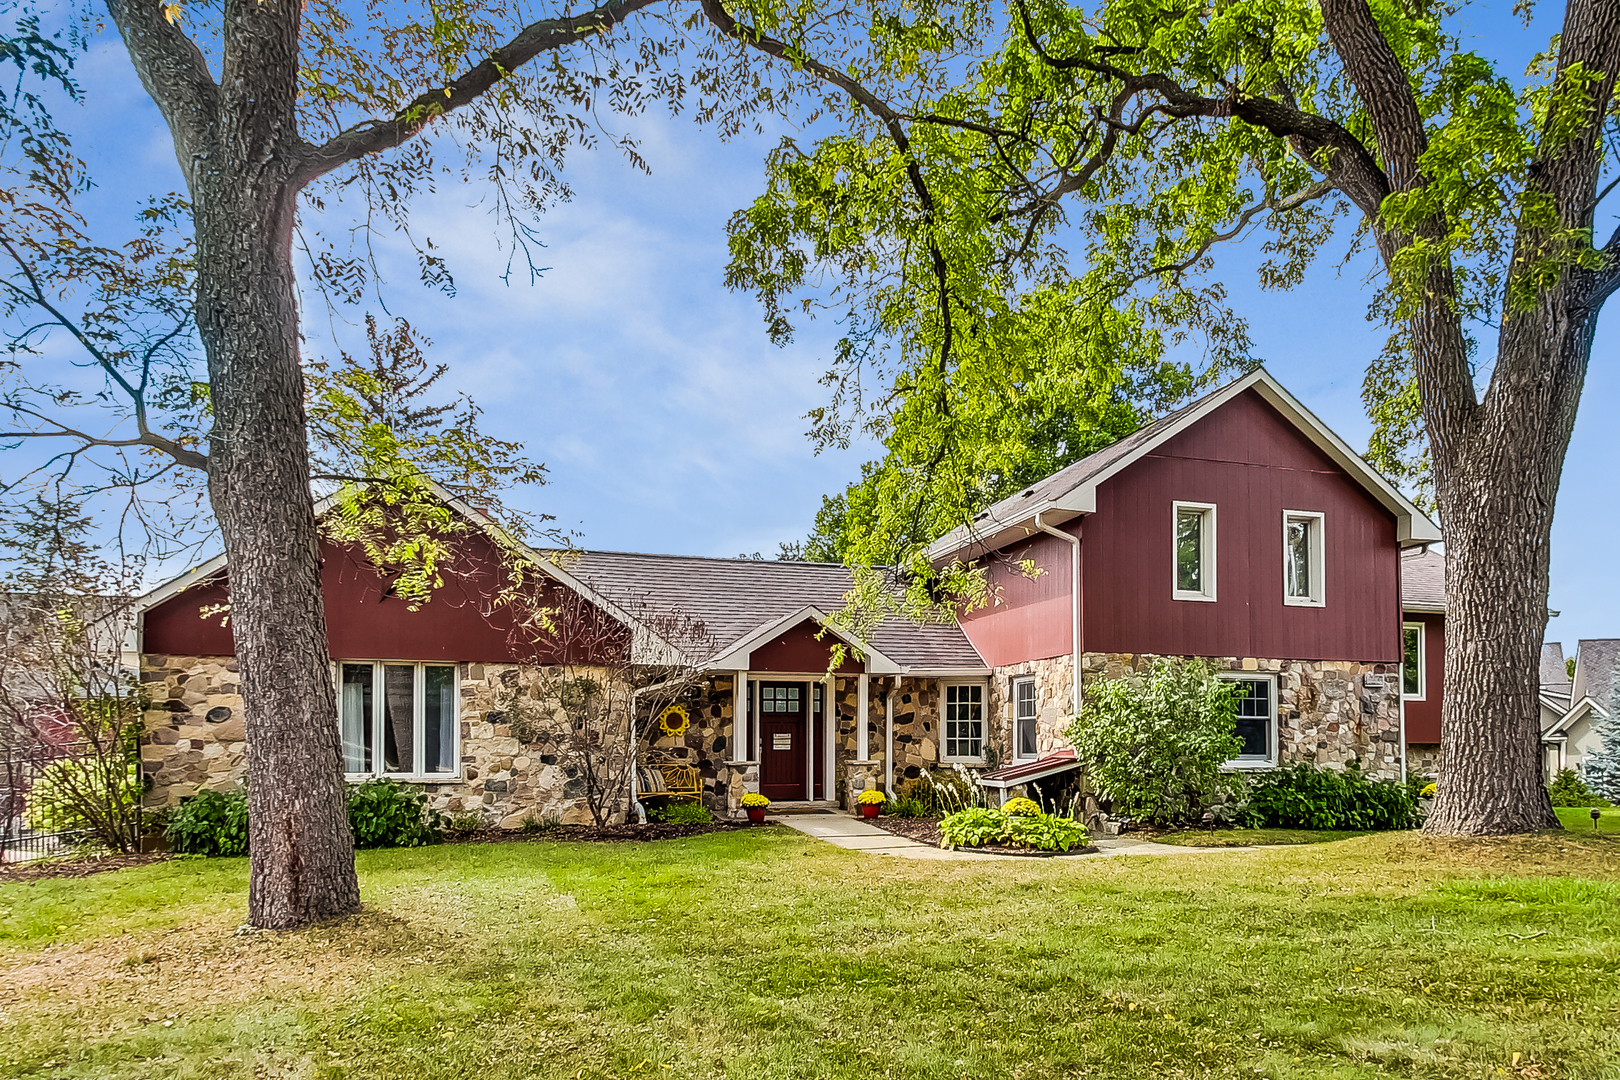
[(1423, 759), (194, 737), (1329, 711), (1054, 697)]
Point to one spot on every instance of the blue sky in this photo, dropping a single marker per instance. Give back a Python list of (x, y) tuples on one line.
[(670, 423)]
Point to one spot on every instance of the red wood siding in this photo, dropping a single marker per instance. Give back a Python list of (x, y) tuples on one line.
[(1028, 618), (364, 622), (1423, 717), (797, 650), (1252, 464)]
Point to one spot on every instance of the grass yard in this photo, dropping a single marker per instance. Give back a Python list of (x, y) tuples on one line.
[(1251, 837), (1579, 819), (764, 954)]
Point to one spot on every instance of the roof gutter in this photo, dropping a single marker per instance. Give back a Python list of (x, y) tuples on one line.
[(1074, 596)]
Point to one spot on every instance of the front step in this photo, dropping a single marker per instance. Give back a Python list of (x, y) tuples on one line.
[(803, 806)]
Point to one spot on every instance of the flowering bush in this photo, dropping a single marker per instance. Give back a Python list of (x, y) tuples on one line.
[(873, 797), (754, 800), (1021, 807)]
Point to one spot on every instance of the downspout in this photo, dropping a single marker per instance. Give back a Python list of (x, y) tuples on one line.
[(1074, 597), (888, 737), (637, 809)]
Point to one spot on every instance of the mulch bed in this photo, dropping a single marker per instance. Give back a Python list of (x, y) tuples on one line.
[(79, 866), (924, 830), (606, 834)]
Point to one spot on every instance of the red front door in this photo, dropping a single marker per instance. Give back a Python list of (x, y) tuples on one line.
[(781, 740)]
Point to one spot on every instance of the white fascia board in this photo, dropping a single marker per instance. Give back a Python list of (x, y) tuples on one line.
[(1411, 608), (735, 656), (947, 673), (1575, 714)]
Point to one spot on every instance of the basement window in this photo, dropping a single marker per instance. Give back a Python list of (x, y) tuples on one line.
[(1256, 722)]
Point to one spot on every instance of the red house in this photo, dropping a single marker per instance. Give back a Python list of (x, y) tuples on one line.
[(1238, 528)]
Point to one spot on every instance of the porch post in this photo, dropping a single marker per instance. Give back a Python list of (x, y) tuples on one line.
[(862, 740), (829, 734), (740, 740)]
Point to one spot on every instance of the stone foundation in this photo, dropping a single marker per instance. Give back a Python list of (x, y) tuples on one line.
[(1328, 711), (1054, 702)]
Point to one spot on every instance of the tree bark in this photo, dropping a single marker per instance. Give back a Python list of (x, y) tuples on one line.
[(238, 146)]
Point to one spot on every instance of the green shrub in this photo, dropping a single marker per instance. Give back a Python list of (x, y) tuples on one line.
[(383, 813), (1045, 832), (974, 827), (682, 813), (1568, 789), (1154, 744), (979, 826), (210, 823), (1303, 796), (908, 808), (90, 795)]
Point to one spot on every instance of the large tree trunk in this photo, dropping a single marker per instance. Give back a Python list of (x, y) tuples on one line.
[(301, 847), (238, 145), (1497, 488)]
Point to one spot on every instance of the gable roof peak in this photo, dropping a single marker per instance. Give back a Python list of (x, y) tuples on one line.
[(1072, 490)]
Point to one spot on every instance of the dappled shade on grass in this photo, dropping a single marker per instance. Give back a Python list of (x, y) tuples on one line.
[(769, 955)]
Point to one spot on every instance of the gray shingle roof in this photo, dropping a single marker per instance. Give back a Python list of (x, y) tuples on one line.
[(1597, 668), (1423, 579), (1554, 673), (735, 597)]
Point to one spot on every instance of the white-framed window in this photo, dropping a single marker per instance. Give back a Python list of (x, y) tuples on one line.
[(1303, 563), (1025, 744), (1192, 551), (1256, 721), (964, 722), (398, 718), (1413, 684)]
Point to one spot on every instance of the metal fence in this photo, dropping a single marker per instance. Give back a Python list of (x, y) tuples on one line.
[(32, 825)]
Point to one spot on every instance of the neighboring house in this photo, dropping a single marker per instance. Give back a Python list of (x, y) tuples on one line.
[(1423, 656), (1239, 528), (1572, 711)]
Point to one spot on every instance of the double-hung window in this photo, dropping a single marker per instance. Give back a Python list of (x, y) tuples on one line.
[(1024, 713), (398, 719), (1303, 562), (1412, 682), (964, 722), (1193, 551), (1256, 721)]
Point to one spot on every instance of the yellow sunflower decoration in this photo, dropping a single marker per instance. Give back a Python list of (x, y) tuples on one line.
[(674, 720)]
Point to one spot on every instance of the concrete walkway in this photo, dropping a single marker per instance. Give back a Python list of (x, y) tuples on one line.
[(844, 831)]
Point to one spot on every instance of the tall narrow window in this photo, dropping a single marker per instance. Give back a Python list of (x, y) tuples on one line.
[(1025, 744), (1412, 688), (1257, 720), (1303, 563), (1193, 551), (354, 713), (964, 722), (408, 711)]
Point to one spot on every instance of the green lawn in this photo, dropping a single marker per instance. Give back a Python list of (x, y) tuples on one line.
[(1250, 837), (764, 954), (1579, 819)]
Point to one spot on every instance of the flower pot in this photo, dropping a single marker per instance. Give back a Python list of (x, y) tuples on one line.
[(756, 814), (870, 810)]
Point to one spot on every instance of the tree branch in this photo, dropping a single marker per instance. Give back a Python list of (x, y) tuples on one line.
[(538, 37), (173, 71), (182, 455)]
